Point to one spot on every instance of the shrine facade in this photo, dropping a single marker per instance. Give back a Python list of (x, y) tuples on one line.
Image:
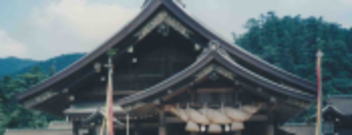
[(173, 76)]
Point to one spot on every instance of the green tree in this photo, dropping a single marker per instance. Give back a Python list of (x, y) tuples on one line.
[(13, 115), (291, 43)]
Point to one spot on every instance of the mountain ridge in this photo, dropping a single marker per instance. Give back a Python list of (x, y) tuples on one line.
[(11, 66)]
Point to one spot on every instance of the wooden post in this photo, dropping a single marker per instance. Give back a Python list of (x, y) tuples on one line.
[(127, 124), (136, 129), (92, 131), (270, 130), (318, 129), (97, 130), (271, 122), (238, 133), (162, 123), (75, 128)]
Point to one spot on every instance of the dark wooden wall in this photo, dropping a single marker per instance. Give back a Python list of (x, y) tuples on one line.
[(153, 59), (157, 57)]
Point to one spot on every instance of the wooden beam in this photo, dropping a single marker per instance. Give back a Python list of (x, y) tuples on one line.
[(215, 90), (134, 127), (238, 83), (173, 120), (174, 93), (125, 92), (40, 98), (116, 93), (255, 118), (259, 117), (162, 123), (254, 90)]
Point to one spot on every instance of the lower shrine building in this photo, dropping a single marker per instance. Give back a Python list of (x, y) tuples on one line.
[(337, 118), (173, 76)]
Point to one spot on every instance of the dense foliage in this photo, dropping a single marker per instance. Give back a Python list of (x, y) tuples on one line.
[(291, 43), (13, 115)]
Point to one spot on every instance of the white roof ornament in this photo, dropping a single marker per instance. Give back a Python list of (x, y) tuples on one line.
[(213, 44), (164, 30)]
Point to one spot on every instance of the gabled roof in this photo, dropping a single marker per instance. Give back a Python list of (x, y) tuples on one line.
[(235, 50), (192, 24), (216, 55), (299, 128), (341, 104), (338, 106)]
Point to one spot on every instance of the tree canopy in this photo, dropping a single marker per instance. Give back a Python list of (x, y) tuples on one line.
[(13, 115), (292, 42)]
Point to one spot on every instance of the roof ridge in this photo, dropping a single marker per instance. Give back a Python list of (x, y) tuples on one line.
[(213, 35), (210, 54)]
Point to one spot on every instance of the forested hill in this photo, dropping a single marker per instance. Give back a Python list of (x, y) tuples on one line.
[(14, 66), (55, 64), (291, 43), (11, 65)]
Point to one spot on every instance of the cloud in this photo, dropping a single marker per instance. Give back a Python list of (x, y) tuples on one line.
[(68, 26), (347, 2), (227, 16), (10, 46), (55, 27), (332, 11)]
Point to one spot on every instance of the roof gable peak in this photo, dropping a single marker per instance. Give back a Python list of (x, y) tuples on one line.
[(147, 3)]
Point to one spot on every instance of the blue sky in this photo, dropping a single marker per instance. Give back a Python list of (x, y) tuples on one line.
[(40, 29)]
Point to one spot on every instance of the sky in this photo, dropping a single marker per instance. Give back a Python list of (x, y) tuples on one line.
[(41, 29)]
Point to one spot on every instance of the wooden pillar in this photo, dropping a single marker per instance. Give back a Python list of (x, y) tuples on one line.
[(238, 133), (270, 130), (127, 124), (136, 129), (92, 131), (97, 129), (75, 128), (162, 123)]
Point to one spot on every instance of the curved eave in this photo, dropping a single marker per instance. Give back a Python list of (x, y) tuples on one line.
[(239, 52), (330, 108), (81, 63), (206, 59)]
